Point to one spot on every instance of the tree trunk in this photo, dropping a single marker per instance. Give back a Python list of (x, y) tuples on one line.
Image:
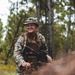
[(50, 34), (68, 32)]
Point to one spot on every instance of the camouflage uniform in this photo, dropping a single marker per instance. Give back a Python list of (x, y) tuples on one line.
[(18, 49)]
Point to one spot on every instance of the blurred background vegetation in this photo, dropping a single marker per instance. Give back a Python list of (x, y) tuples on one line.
[(57, 24)]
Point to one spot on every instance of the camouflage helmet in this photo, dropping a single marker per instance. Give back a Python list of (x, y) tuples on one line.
[(31, 20)]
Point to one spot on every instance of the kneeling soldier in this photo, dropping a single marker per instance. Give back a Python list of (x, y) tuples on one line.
[(30, 49)]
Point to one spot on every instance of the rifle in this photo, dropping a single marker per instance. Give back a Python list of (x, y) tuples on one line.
[(31, 55)]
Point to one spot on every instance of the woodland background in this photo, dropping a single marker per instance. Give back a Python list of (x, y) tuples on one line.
[(57, 23)]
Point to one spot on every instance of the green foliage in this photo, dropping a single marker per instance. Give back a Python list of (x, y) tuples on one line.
[(7, 69), (1, 30), (59, 40)]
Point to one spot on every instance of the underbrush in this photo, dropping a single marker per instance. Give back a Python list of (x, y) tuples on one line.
[(7, 72), (7, 69), (10, 68)]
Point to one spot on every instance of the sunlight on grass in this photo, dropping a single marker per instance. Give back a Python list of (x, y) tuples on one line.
[(7, 73), (7, 69)]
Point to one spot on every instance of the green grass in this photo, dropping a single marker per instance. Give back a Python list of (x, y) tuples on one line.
[(7, 72), (10, 68), (7, 69)]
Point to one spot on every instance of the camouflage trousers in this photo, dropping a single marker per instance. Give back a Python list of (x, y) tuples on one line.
[(29, 71)]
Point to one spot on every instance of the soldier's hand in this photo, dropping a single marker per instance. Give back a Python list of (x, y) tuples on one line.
[(26, 64), (49, 58)]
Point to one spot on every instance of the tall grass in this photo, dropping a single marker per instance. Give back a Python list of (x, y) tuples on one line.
[(10, 68), (7, 72), (7, 69)]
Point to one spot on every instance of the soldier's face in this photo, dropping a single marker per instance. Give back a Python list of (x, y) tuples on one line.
[(31, 28)]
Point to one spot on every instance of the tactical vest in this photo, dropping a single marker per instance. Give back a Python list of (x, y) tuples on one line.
[(32, 42)]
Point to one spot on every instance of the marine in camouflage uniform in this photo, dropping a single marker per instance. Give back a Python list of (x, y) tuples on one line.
[(34, 40)]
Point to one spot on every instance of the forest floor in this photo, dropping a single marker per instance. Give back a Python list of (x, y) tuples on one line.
[(8, 69)]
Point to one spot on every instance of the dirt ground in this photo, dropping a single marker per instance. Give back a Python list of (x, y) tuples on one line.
[(63, 66)]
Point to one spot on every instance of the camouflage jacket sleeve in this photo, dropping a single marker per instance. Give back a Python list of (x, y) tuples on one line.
[(17, 51), (43, 43)]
